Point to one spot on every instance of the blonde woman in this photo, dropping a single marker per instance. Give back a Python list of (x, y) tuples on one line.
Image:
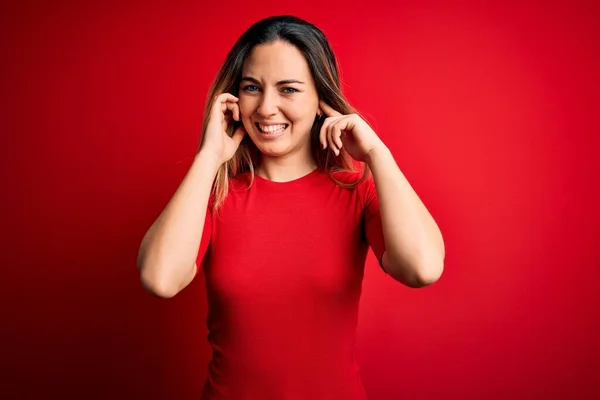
[(289, 189)]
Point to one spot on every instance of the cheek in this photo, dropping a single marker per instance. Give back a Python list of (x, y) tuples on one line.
[(247, 106), (303, 120), (300, 113), (305, 110)]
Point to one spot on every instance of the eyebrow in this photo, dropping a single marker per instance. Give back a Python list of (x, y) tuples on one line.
[(283, 82)]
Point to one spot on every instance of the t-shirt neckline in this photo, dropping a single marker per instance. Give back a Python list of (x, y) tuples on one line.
[(302, 179)]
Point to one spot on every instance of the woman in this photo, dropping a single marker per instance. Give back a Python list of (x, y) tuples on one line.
[(280, 219)]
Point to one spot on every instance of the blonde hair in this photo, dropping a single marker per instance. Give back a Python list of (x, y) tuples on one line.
[(322, 62)]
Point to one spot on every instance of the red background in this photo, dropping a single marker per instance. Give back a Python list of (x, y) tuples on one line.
[(491, 111)]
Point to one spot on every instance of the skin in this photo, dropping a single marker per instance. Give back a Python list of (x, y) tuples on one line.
[(415, 248), (266, 97)]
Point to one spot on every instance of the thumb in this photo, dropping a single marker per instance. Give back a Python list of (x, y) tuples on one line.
[(239, 134)]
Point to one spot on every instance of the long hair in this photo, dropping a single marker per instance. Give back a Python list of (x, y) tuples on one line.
[(313, 44)]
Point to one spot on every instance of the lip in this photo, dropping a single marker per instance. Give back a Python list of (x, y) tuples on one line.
[(270, 136), (271, 123)]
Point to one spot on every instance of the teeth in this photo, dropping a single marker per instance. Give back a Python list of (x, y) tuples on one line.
[(272, 128)]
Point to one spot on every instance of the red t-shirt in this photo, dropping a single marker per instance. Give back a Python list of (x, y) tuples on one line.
[(284, 265)]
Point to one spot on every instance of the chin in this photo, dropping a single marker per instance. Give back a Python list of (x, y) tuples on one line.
[(272, 144), (273, 149)]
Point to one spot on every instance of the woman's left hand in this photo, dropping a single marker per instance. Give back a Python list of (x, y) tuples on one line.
[(348, 131)]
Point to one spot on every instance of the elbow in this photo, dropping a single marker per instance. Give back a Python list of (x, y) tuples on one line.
[(157, 285), (429, 265), (418, 273), (429, 277), (157, 276), (429, 272)]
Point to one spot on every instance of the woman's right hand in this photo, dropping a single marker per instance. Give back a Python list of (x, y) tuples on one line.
[(216, 142)]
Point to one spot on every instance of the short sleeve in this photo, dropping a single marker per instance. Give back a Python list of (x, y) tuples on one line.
[(206, 235), (372, 220)]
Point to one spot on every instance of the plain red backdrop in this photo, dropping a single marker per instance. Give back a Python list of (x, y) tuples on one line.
[(490, 110)]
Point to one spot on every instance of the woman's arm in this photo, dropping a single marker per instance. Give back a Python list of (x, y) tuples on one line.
[(414, 245), (168, 251), (414, 252)]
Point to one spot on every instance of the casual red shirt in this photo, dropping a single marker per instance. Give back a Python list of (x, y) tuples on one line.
[(284, 266)]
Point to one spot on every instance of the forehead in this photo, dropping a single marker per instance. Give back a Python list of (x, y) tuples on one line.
[(276, 61)]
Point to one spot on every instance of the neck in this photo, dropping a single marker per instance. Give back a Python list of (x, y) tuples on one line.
[(285, 169)]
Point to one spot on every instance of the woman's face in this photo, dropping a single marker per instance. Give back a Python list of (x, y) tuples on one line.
[(278, 100)]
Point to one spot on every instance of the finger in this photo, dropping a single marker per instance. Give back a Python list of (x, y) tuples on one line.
[(223, 97), (220, 101), (337, 136), (231, 106), (323, 133), (239, 134), (337, 133), (331, 132), (236, 112), (328, 110)]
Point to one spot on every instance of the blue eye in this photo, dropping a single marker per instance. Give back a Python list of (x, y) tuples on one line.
[(289, 90), (251, 88)]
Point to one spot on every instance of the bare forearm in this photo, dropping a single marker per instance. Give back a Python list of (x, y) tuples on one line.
[(169, 248), (414, 243)]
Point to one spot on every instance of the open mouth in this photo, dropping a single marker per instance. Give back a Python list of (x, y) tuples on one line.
[(271, 129)]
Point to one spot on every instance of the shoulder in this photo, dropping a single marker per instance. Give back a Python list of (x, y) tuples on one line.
[(360, 184), (240, 182), (229, 190), (357, 180)]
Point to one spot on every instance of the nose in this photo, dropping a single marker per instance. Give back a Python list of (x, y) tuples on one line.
[(268, 104)]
